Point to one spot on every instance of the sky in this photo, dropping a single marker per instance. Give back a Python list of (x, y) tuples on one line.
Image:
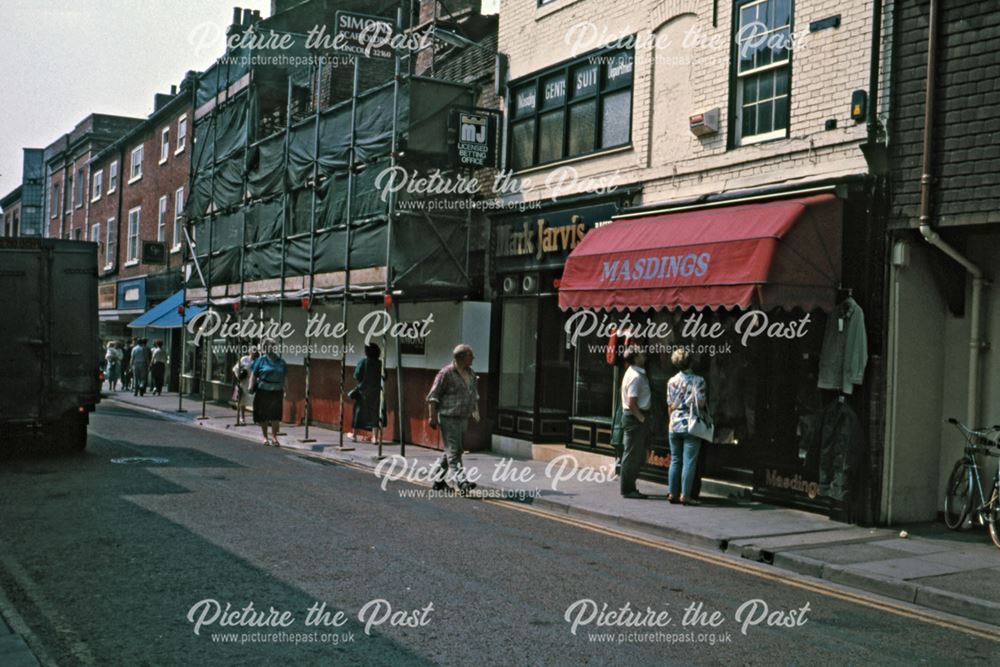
[(61, 60)]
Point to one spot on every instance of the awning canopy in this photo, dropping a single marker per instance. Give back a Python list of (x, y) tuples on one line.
[(782, 253), (164, 315)]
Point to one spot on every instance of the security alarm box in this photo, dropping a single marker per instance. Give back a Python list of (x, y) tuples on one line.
[(705, 123)]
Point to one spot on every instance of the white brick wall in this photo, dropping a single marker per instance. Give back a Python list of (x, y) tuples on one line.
[(827, 66)]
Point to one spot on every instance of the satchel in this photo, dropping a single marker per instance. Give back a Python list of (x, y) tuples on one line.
[(700, 424)]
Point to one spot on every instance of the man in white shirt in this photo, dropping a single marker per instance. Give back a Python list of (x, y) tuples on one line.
[(636, 402)]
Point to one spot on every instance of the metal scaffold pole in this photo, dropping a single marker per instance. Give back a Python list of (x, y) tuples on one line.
[(211, 225), (192, 166), (312, 252), (285, 204), (349, 211), (397, 76)]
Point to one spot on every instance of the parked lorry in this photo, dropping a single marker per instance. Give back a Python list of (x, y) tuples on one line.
[(50, 352)]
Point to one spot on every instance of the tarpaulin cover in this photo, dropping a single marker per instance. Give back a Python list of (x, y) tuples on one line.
[(783, 253)]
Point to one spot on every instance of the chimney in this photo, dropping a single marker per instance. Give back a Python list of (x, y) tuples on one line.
[(235, 26), (173, 90), (256, 16), (160, 100), (247, 18)]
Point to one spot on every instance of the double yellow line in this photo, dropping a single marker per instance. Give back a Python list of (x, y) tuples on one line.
[(746, 567)]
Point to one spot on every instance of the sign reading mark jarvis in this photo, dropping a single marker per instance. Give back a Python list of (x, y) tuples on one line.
[(649, 268)]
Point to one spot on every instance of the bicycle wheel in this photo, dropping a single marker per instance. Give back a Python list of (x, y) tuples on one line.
[(958, 495), (993, 516)]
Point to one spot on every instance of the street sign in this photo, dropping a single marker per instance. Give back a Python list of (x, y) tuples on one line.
[(364, 35), (475, 138)]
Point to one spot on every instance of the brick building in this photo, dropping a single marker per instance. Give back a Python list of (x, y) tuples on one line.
[(700, 115), (10, 208), (136, 194), (67, 188), (943, 314)]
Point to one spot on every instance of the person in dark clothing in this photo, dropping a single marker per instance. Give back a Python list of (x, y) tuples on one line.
[(368, 399)]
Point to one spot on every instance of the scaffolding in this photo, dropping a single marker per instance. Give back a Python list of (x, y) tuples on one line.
[(283, 203)]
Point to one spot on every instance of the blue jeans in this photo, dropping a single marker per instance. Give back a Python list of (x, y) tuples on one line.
[(683, 447)]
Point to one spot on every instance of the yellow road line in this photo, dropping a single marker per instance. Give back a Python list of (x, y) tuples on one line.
[(756, 571)]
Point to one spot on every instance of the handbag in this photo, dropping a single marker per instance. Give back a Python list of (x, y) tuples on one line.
[(355, 393), (700, 424)]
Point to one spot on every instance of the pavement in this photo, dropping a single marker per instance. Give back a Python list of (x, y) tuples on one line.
[(953, 572)]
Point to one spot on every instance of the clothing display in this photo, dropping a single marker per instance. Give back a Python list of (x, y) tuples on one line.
[(844, 354), (833, 439)]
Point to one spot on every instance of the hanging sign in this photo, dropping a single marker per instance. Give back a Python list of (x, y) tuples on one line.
[(364, 35), (474, 141)]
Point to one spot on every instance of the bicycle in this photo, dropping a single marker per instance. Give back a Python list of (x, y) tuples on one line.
[(965, 483)]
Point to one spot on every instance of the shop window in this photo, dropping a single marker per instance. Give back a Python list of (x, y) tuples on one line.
[(594, 387), (519, 328), (762, 69), (572, 110)]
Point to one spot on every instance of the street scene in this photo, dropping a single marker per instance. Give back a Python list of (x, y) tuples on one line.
[(501, 332)]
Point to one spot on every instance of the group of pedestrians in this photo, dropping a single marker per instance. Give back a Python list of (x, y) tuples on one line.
[(686, 399), (134, 364)]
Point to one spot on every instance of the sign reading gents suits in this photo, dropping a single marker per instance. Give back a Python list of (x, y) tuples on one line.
[(474, 138)]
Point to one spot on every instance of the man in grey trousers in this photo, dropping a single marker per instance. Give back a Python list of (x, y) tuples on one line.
[(453, 399), (636, 402)]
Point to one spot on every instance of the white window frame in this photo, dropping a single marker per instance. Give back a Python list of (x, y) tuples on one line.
[(161, 220), (738, 138), (182, 127), (164, 144), (113, 177), (178, 215), (110, 243), (98, 185), (132, 237), (136, 174)]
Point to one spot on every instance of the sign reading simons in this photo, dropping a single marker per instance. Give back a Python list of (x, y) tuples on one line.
[(475, 143), (364, 35)]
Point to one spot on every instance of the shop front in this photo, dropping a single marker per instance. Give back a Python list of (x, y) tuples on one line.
[(539, 395), (118, 303), (760, 290)]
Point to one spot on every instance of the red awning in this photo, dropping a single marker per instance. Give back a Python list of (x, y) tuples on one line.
[(783, 253)]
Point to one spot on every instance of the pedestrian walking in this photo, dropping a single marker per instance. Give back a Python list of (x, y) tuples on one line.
[(140, 367), (267, 384), (685, 398), (636, 403), (158, 365), (453, 399), (112, 364), (241, 384), (127, 364), (367, 395)]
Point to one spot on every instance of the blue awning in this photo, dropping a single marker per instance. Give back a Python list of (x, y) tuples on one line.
[(165, 315)]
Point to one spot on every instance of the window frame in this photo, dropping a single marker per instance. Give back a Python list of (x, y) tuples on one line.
[(164, 144), (567, 69), (56, 199), (161, 220), (182, 122), (132, 254), (178, 216), (133, 176), (79, 188), (736, 138), (110, 243), (113, 177), (97, 185)]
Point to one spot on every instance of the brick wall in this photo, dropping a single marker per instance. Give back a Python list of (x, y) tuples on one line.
[(673, 82), (966, 147)]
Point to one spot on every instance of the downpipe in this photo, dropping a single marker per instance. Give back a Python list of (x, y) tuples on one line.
[(979, 280)]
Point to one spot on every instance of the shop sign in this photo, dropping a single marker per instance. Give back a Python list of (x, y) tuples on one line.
[(475, 138), (107, 296), (361, 34), (413, 344), (546, 240), (776, 480), (132, 294)]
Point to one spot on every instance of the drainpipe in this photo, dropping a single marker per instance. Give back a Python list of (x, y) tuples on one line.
[(978, 278)]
